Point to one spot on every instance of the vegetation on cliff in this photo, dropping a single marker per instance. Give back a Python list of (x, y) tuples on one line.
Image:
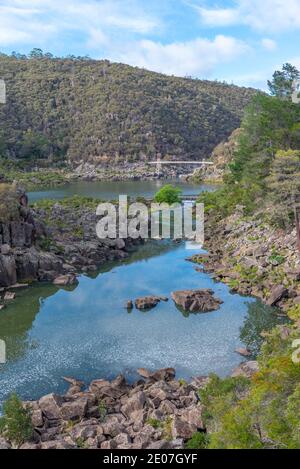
[(266, 164), (78, 108), (263, 177)]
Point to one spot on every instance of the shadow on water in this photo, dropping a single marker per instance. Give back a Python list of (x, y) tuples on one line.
[(260, 318)]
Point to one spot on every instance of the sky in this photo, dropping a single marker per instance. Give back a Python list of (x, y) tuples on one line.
[(239, 41)]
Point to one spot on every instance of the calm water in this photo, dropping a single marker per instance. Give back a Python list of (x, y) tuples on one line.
[(111, 190), (87, 333)]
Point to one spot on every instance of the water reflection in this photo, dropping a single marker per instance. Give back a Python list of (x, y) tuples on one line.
[(89, 334), (260, 318)]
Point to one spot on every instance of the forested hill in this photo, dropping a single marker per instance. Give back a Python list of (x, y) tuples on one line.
[(79, 108)]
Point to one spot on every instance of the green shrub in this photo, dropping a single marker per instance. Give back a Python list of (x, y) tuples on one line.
[(102, 410), (199, 440), (155, 423), (16, 425), (168, 194)]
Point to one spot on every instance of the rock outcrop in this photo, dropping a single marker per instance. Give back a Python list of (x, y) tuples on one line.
[(156, 413), (196, 300)]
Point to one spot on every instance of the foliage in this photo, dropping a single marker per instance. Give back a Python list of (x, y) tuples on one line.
[(75, 202), (8, 202), (282, 81), (155, 423), (199, 440), (263, 412), (264, 170), (76, 108), (168, 194), (259, 320), (102, 410), (16, 424), (284, 185)]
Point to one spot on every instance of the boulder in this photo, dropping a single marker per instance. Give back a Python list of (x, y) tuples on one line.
[(74, 409), (277, 293), (9, 295), (164, 374), (120, 244), (51, 406), (246, 369), (243, 351), (196, 300), (147, 302), (134, 403), (182, 429), (65, 280)]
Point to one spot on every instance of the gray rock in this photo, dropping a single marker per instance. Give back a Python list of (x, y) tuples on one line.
[(8, 271), (65, 280), (51, 406), (74, 409), (277, 293), (147, 302), (196, 300)]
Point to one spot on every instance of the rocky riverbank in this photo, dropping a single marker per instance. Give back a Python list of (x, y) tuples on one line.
[(156, 412), (57, 241), (254, 258), (91, 171)]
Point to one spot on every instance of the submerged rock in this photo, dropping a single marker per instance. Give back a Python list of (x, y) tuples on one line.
[(196, 300)]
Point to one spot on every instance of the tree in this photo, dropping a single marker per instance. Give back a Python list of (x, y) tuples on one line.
[(168, 194), (34, 145), (282, 83), (284, 183), (16, 422)]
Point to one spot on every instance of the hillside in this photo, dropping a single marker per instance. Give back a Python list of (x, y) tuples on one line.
[(81, 109)]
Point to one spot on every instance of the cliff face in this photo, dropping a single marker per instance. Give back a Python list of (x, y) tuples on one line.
[(221, 156)]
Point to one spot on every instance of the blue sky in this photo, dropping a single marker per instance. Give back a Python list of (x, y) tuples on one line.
[(240, 41)]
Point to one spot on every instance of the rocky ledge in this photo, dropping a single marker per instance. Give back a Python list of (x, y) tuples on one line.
[(55, 245), (156, 412), (253, 258)]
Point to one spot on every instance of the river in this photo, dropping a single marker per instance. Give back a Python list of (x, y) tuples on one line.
[(86, 332), (108, 190)]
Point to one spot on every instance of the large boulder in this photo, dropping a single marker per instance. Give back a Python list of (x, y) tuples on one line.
[(75, 409), (246, 369), (65, 280), (164, 374), (196, 300), (134, 403), (277, 293), (51, 406)]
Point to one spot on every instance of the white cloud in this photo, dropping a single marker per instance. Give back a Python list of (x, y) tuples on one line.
[(36, 21), (262, 15), (269, 44), (197, 57)]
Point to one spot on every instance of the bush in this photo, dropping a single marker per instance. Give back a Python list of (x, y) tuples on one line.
[(265, 412), (15, 425), (168, 194), (199, 440)]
